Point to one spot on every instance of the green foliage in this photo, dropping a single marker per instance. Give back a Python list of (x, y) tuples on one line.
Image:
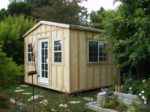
[(134, 108), (110, 103), (98, 18), (63, 11), (3, 14), (12, 29), (139, 87), (4, 101), (121, 107), (39, 3), (9, 70), (105, 104), (17, 8), (129, 30)]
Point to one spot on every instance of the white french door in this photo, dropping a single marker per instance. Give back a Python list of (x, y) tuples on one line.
[(43, 60)]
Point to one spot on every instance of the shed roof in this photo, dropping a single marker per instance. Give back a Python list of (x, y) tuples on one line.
[(69, 26)]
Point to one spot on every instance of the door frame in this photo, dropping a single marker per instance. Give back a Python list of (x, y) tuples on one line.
[(40, 78)]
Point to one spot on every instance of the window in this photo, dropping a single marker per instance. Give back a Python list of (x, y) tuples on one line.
[(58, 51), (97, 51), (30, 52)]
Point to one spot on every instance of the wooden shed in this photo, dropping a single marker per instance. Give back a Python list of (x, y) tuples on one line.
[(68, 58)]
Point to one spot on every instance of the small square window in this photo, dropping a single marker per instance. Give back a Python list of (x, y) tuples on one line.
[(97, 51), (30, 52), (58, 51)]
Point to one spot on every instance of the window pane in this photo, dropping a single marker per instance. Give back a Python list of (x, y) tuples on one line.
[(46, 76), (30, 52), (102, 51), (93, 51), (57, 57), (58, 48)]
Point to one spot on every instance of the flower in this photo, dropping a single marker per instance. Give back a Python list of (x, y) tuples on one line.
[(140, 94), (130, 88), (142, 91), (53, 110), (63, 105), (143, 97), (145, 100), (144, 80)]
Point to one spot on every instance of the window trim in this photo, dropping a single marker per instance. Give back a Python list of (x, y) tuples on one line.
[(61, 51), (30, 53), (98, 52)]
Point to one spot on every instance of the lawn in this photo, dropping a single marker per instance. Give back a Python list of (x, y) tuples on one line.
[(54, 98)]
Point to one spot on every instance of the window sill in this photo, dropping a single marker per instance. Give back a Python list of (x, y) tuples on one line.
[(58, 64), (98, 63), (30, 62)]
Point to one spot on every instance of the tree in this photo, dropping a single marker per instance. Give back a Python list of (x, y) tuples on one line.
[(98, 18), (12, 29), (63, 11), (129, 29), (39, 3), (17, 8), (9, 70), (3, 14)]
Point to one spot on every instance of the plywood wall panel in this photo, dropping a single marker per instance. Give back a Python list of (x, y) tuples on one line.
[(82, 59), (74, 60)]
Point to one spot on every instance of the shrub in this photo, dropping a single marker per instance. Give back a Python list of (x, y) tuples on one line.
[(9, 70), (4, 102), (140, 88)]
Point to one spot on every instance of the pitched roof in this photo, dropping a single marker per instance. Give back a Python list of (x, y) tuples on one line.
[(69, 26)]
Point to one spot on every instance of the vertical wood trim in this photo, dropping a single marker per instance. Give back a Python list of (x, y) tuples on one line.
[(51, 53), (28, 78), (78, 71), (70, 63), (56, 66), (63, 55), (86, 50), (93, 68), (93, 76), (25, 77), (100, 76)]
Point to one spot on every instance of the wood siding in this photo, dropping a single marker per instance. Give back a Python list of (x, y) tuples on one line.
[(74, 73), (58, 74), (85, 75)]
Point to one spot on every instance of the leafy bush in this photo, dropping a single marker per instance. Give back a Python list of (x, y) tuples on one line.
[(11, 30), (4, 102), (140, 88), (9, 70), (105, 104)]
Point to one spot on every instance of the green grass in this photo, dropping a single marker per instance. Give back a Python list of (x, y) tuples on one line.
[(54, 97)]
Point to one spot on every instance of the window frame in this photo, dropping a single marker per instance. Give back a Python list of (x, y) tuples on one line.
[(60, 51), (99, 41), (30, 53)]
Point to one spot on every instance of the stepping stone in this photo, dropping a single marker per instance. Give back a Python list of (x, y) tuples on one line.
[(26, 93), (88, 98), (17, 102), (63, 105), (18, 87), (12, 101), (44, 102), (20, 104), (19, 90), (75, 102), (23, 85), (35, 97)]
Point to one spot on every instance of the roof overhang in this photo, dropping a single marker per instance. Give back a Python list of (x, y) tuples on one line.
[(68, 26)]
